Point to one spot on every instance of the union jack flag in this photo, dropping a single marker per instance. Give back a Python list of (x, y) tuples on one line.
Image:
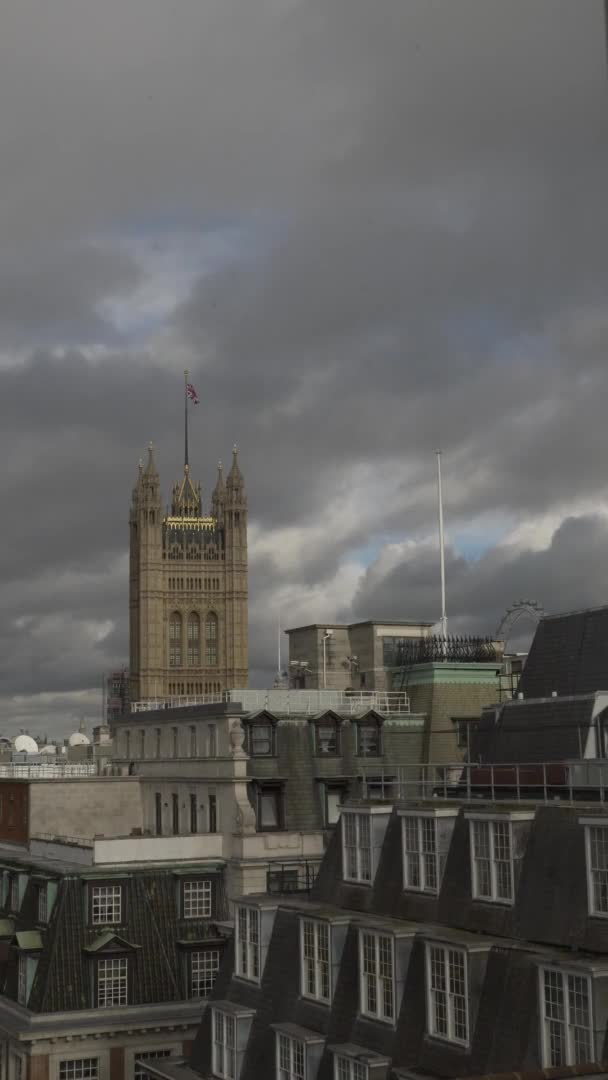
[(192, 394)]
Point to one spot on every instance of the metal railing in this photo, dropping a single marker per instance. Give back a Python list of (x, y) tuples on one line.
[(292, 878), (47, 772), (571, 781), (289, 701)]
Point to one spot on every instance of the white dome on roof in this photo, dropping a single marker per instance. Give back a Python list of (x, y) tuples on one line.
[(48, 749), (24, 744), (79, 739)]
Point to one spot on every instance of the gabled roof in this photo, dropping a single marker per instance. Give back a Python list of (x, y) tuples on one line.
[(109, 942), (569, 655)]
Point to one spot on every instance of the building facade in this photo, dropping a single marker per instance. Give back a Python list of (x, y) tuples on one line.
[(187, 587), (103, 962), (355, 656), (442, 939)]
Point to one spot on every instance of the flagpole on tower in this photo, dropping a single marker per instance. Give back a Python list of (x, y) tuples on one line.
[(186, 373)]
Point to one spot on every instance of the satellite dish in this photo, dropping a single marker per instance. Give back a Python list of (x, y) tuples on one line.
[(24, 744)]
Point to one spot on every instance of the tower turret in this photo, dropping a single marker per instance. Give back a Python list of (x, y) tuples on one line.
[(218, 498)]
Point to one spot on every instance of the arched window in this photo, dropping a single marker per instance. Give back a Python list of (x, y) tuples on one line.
[(211, 638), (175, 640), (194, 640)]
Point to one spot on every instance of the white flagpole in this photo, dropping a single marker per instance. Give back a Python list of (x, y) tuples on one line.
[(444, 618)]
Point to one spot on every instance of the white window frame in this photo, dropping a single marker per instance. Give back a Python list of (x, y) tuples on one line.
[(43, 903), (197, 898), (348, 1068), (204, 963), (420, 865), (597, 877), (358, 868), (14, 893), (106, 905), (315, 959), (290, 1057), (80, 1068), (248, 952), (22, 979), (223, 1044), (112, 982), (375, 980), (446, 952), (564, 975), (493, 896)]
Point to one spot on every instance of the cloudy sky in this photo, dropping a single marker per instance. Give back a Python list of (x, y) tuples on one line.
[(368, 229)]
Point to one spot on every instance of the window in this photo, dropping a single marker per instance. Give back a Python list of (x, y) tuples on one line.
[(193, 747), (291, 1058), (566, 1011), (314, 943), (18, 1067), (212, 740), (492, 860), (22, 979), (357, 847), (158, 813), (140, 1072), (465, 728), (248, 943), (175, 813), (204, 967), (377, 976), (224, 1045), (142, 743), (79, 1069), (261, 740), (420, 858), (175, 741), (194, 640), (175, 640), (42, 904), (447, 1011), (106, 904), (597, 868), (127, 744), (158, 736), (334, 797), (111, 982), (14, 893), (269, 812), (349, 1069), (193, 813), (212, 813), (327, 738), (211, 636), (197, 899), (368, 740)]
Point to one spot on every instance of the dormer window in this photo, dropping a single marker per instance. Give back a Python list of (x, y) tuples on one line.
[(327, 735), (362, 836), (261, 737), (596, 852), (369, 736), (426, 839), (497, 843), (106, 904)]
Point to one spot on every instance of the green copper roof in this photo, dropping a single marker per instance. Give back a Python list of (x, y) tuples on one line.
[(30, 940)]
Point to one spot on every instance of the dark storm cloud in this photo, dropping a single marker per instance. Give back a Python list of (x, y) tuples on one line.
[(421, 192)]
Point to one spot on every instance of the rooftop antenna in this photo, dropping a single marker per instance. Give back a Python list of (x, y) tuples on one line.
[(279, 645), (444, 619)]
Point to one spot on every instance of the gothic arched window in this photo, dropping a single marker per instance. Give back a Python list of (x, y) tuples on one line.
[(194, 640), (211, 638), (175, 640)]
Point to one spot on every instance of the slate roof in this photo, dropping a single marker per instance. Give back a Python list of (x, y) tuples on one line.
[(550, 729), (569, 654)]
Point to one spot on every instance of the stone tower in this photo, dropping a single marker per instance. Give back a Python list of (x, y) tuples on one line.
[(187, 587)]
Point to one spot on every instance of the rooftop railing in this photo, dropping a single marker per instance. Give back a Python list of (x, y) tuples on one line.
[(47, 772), (547, 781), (289, 701)]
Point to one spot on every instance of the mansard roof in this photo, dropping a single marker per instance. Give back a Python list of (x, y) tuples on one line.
[(569, 655), (547, 729)]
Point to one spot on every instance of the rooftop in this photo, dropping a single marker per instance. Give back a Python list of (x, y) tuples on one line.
[(362, 622)]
